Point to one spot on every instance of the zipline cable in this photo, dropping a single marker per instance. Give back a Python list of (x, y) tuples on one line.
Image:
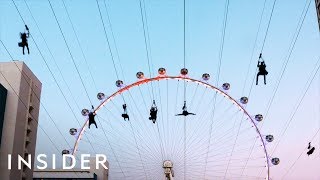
[(79, 44), (267, 30), (46, 66), (69, 50)]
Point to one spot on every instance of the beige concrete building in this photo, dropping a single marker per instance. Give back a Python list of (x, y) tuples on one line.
[(91, 174), (318, 10), (20, 117)]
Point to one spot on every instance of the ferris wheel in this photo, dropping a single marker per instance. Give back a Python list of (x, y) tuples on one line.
[(214, 137)]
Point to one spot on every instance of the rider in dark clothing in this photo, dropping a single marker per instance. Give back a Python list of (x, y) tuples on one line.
[(24, 40), (311, 149), (262, 71), (91, 115), (184, 111), (125, 114), (153, 114)]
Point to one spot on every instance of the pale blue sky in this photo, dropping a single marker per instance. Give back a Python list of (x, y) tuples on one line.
[(203, 35)]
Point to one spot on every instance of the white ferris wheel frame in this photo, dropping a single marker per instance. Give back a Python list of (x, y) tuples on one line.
[(184, 78)]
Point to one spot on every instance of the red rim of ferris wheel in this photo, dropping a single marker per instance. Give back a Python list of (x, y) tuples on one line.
[(185, 78)]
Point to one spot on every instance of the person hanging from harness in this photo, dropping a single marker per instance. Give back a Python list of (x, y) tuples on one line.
[(91, 115), (24, 40), (184, 111), (262, 69), (311, 149), (153, 112), (125, 114)]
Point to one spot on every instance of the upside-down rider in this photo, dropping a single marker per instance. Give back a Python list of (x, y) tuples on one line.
[(184, 111)]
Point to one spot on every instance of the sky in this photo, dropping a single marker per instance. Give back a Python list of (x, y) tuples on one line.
[(204, 22)]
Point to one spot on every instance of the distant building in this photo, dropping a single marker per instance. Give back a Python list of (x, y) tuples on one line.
[(18, 117), (74, 174), (318, 10)]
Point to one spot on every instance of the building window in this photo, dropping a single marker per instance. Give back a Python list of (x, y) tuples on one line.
[(30, 109)]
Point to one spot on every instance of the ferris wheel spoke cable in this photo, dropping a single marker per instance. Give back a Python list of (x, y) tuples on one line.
[(210, 133), (192, 136), (219, 68), (112, 150), (132, 126), (162, 122), (150, 160), (228, 146), (138, 151), (114, 135), (173, 133), (194, 94), (144, 102), (220, 139), (202, 123), (200, 119), (141, 116)]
